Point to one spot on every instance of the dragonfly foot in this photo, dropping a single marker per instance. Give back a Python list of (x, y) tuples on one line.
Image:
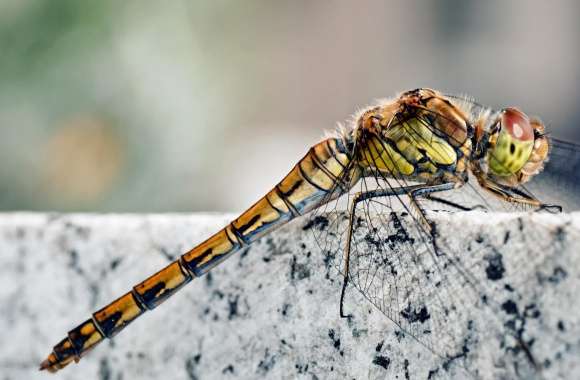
[(552, 209), (479, 208)]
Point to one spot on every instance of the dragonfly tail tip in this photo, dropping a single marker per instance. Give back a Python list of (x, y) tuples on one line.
[(50, 364)]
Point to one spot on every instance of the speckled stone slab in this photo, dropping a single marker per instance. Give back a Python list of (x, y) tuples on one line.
[(272, 311)]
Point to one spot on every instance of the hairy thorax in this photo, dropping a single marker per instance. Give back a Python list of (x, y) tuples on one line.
[(419, 136)]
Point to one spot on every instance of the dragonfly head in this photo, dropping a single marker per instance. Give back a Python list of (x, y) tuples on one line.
[(517, 147)]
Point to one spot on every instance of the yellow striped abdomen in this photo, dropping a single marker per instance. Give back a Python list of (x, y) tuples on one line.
[(319, 177), (322, 175)]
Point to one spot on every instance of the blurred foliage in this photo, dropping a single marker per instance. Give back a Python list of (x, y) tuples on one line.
[(43, 33), (189, 105)]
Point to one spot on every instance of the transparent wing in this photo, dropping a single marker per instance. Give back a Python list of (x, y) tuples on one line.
[(430, 289), (559, 182)]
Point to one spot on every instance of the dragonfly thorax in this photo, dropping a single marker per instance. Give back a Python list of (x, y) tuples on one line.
[(419, 136)]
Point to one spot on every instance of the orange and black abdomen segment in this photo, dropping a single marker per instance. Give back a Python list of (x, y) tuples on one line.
[(323, 174), (313, 181), (111, 319)]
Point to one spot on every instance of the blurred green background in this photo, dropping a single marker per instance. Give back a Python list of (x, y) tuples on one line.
[(204, 105)]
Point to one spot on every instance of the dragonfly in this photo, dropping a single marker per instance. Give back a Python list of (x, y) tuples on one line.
[(393, 158)]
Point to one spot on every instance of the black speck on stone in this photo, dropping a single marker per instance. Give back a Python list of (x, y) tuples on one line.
[(495, 269), (379, 346), (415, 315), (319, 222), (406, 366), (268, 362), (209, 280), (558, 275), (532, 311), (74, 262), (298, 271), (561, 326), (115, 263), (506, 237), (301, 369), (334, 338), (233, 306), (382, 361), (399, 335), (229, 368), (285, 309), (451, 359), (510, 307), (104, 369), (165, 253), (190, 366), (559, 234), (432, 373), (327, 260), (244, 253)]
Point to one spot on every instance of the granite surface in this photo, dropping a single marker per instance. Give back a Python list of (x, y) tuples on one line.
[(272, 311)]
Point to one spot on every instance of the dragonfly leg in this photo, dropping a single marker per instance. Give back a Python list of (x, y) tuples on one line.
[(453, 204), (516, 196), (356, 199), (412, 191), (427, 191), (551, 208)]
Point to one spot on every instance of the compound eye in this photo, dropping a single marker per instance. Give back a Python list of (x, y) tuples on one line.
[(517, 124)]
